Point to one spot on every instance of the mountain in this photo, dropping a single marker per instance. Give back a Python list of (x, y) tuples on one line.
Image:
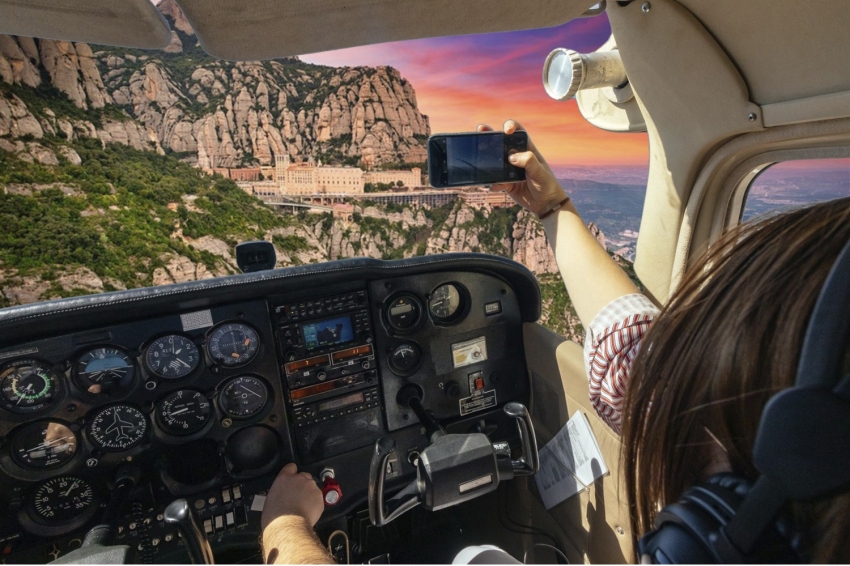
[(102, 154), (209, 112)]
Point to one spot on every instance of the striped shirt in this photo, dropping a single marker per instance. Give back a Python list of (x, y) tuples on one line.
[(610, 347)]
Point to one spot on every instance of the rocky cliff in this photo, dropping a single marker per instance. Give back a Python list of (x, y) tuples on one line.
[(212, 113)]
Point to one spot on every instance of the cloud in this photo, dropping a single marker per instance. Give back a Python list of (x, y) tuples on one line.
[(462, 81)]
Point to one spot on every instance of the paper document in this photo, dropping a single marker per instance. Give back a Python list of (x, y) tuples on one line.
[(569, 462)]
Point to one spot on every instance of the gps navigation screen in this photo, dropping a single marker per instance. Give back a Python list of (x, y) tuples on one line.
[(328, 332)]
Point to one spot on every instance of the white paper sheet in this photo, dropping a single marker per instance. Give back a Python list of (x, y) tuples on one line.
[(569, 462)]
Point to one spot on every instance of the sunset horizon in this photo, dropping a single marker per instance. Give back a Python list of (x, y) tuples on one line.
[(463, 81)]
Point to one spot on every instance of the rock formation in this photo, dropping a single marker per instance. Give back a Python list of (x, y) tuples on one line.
[(216, 113)]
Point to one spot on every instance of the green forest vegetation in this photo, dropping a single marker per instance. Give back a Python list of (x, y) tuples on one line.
[(112, 215), (122, 210)]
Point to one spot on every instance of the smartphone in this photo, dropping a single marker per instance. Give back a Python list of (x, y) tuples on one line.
[(474, 158)]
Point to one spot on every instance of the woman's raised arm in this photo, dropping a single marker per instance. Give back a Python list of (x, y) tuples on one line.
[(592, 278)]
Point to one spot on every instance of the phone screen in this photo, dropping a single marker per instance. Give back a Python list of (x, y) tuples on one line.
[(475, 159)]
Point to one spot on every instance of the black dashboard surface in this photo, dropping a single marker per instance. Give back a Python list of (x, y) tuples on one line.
[(205, 389)]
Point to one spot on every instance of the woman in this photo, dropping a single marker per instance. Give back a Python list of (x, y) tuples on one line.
[(686, 385)]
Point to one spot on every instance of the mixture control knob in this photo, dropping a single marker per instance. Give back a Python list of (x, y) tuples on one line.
[(453, 389), (331, 490)]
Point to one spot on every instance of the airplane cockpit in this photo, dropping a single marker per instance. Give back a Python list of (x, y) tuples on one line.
[(148, 425), (203, 400)]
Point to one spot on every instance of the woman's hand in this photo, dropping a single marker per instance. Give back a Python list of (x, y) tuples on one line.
[(540, 191)]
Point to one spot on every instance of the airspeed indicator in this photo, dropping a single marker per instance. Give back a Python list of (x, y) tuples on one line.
[(27, 386)]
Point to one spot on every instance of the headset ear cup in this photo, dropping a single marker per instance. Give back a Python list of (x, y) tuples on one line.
[(682, 530), (685, 531)]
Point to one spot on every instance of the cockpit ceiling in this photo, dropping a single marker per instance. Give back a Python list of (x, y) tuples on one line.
[(784, 49), (264, 29), (126, 23)]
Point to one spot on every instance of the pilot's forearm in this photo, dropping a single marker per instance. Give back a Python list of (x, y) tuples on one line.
[(592, 278), (290, 540)]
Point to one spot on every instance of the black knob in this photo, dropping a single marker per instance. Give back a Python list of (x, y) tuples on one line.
[(453, 389)]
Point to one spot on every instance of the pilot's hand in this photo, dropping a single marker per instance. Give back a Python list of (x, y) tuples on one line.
[(540, 191), (293, 494)]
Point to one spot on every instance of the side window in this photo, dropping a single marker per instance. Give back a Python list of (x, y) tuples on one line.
[(797, 183)]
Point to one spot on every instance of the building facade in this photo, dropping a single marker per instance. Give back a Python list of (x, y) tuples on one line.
[(412, 178), (314, 179)]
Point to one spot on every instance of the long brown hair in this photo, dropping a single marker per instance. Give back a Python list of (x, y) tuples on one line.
[(728, 340)]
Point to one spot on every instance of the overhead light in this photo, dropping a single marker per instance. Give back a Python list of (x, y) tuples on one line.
[(566, 72)]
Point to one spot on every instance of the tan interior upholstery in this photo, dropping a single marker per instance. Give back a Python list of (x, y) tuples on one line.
[(264, 29), (785, 49), (595, 522), (127, 23)]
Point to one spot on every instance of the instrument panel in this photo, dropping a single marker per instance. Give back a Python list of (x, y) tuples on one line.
[(208, 403)]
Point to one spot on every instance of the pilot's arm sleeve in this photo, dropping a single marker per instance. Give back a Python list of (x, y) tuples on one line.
[(610, 347)]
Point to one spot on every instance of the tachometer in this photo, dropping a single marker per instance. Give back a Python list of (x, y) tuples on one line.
[(61, 501), (233, 344), (104, 370), (172, 357), (27, 386), (445, 303), (118, 428), (43, 444), (183, 412), (243, 397)]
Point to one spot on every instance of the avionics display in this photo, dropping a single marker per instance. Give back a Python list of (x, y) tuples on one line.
[(341, 402), (328, 332)]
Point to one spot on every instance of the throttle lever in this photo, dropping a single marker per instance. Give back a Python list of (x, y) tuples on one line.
[(379, 513), (178, 513)]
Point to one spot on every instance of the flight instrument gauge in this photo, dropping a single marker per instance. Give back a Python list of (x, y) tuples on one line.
[(445, 303), (27, 386), (43, 444), (405, 358), (233, 344), (183, 412), (62, 500), (104, 370), (243, 397), (403, 313), (118, 428), (172, 357)]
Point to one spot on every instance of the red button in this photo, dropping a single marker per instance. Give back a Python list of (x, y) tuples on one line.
[(479, 383)]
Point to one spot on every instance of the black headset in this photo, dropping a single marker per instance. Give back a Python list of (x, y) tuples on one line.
[(802, 451)]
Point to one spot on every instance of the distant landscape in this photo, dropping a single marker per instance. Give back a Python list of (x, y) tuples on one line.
[(122, 169)]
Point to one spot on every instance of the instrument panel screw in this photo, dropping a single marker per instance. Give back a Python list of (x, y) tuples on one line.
[(226, 423), (751, 116), (273, 418), (620, 531), (169, 537), (645, 7)]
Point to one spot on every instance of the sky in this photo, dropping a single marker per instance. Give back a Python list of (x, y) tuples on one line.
[(462, 81)]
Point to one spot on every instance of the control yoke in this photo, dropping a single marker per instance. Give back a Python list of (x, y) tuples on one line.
[(453, 469)]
